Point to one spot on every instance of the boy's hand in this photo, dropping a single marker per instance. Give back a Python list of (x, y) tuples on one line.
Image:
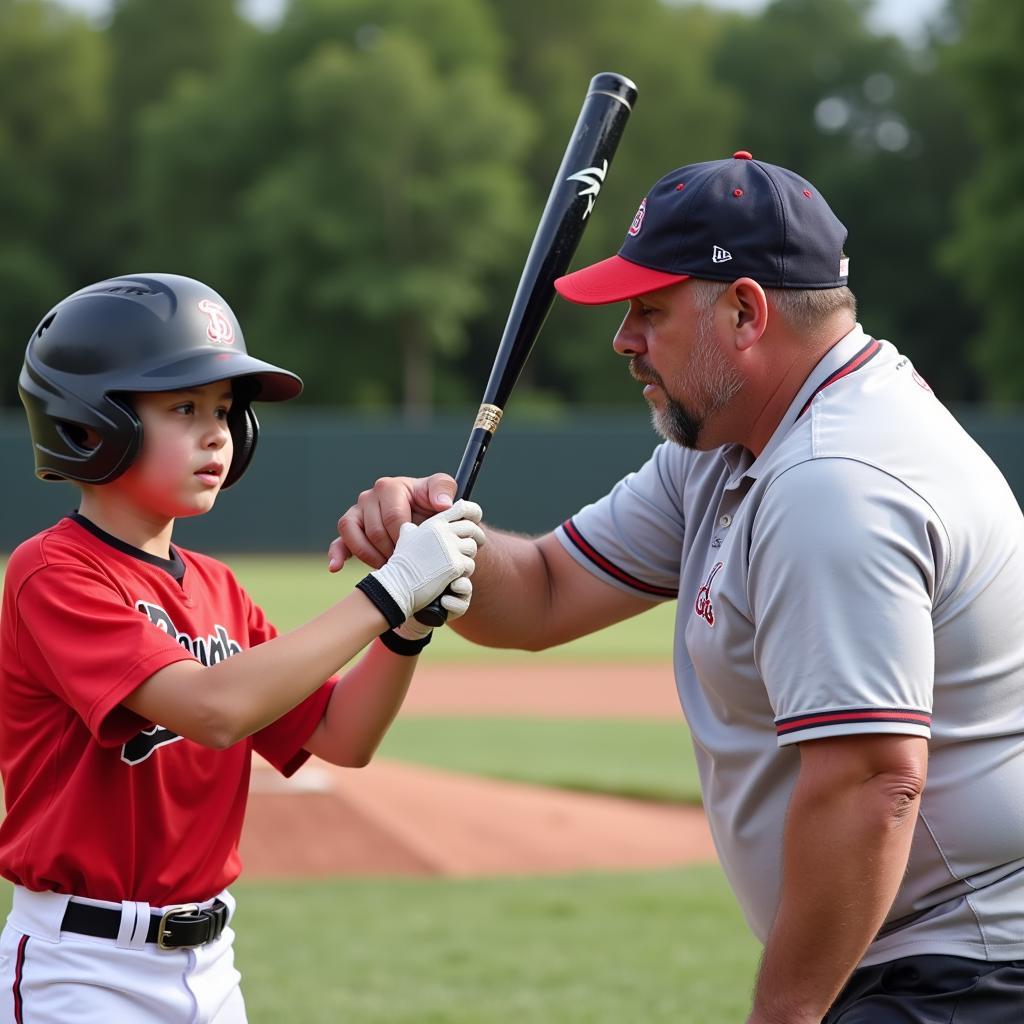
[(426, 559), (369, 530), (455, 601)]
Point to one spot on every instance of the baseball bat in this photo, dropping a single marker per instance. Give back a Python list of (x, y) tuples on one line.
[(602, 119)]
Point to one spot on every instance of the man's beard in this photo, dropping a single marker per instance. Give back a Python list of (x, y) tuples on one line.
[(712, 381)]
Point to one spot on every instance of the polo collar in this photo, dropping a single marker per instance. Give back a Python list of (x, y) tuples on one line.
[(846, 356)]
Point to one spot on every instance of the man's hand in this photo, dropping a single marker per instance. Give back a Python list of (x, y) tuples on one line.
[(426, 559), (369, 529)]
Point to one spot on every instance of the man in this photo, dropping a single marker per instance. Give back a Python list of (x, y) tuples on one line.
[(849, 568)]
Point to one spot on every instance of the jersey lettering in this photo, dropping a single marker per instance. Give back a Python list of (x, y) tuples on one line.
[(140, 746), (208, 650)]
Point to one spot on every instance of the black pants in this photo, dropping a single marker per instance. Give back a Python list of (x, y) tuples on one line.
[(933, 990)]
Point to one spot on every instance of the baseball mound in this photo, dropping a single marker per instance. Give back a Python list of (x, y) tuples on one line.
[(392, 818)]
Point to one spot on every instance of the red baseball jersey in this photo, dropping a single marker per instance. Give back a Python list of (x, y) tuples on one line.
[(100, 802)]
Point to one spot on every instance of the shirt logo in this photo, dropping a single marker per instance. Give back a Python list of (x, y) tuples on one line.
[(634, 228), (219, 331), (720, 255), (703, 606), (140, 746), (207, 650), (593, 178)]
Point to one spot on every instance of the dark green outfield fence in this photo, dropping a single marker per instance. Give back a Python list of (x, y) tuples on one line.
[(310, 467)]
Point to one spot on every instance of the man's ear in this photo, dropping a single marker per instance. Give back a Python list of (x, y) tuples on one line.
[(747, 307)]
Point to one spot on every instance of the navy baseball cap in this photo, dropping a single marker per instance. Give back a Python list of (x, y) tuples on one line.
[(721, 220)]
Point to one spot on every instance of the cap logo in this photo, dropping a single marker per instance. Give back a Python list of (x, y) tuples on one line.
[(593, 178), (844, 266), (634, 228), (219, 330), (720, 255)]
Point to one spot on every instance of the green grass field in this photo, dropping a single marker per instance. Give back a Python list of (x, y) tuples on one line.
[(656, 947), (651, 947), (600, 948), (649, 760)]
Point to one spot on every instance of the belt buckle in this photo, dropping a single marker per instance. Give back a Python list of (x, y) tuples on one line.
[(164, 932)]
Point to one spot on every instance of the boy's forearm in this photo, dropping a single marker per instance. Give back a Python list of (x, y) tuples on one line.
[(222, 704), (266, 681), (362, 706)]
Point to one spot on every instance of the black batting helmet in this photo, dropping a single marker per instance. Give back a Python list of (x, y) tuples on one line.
[(140, 332)]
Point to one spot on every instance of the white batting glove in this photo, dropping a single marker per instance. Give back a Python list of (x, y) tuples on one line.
[(455, 602), (426, 559)]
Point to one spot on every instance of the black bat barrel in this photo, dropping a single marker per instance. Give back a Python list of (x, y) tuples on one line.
[(588, 155), (602, 119)]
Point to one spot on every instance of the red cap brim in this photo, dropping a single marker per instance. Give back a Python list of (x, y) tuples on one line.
[(613, 280)]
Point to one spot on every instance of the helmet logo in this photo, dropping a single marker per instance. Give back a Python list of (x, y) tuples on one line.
[(219, 329)]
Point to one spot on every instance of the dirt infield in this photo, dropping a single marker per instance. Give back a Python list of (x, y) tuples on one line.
[(548, 688), (398, 819)]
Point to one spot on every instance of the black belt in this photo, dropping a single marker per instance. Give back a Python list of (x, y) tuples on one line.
[(182, 927)]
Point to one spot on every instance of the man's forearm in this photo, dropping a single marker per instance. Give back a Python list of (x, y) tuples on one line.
[(510, 593), (845, 853), (530, 593)]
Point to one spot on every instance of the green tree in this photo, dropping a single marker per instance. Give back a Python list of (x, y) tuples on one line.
[(681, 116), (53, 68), (987, 249), (154, 46), (359, 186), (154, 43), (881, 131)]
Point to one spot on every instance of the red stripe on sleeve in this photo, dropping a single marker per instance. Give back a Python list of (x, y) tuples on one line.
[(595, 556), (858, 715)]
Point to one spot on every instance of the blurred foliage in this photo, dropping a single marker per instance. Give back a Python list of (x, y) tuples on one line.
[(355, 180), (879, 129), (362, 179), (987, 248), (53, 119)]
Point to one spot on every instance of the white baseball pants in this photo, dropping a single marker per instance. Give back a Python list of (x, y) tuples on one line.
[(52, 977)]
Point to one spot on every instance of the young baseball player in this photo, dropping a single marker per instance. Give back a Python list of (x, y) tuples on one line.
[(137, 679)]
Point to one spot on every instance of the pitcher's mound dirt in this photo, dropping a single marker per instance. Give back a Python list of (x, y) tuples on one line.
[(399, 819)]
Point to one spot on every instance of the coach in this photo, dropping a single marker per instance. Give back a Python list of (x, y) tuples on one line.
[(849, 568)]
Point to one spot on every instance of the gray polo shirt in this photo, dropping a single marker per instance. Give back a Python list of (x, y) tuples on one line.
[(864, 574)]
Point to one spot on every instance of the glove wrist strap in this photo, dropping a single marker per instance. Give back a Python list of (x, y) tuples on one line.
[(384, 602), (399, 645)]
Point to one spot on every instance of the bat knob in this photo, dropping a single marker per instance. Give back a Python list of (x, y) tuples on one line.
[(617, 85), (434, 614)]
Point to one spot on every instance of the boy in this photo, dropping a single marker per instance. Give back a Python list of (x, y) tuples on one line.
[(137, 678)]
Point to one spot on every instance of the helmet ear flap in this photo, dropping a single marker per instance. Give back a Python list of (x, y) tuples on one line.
[(245, 431)]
